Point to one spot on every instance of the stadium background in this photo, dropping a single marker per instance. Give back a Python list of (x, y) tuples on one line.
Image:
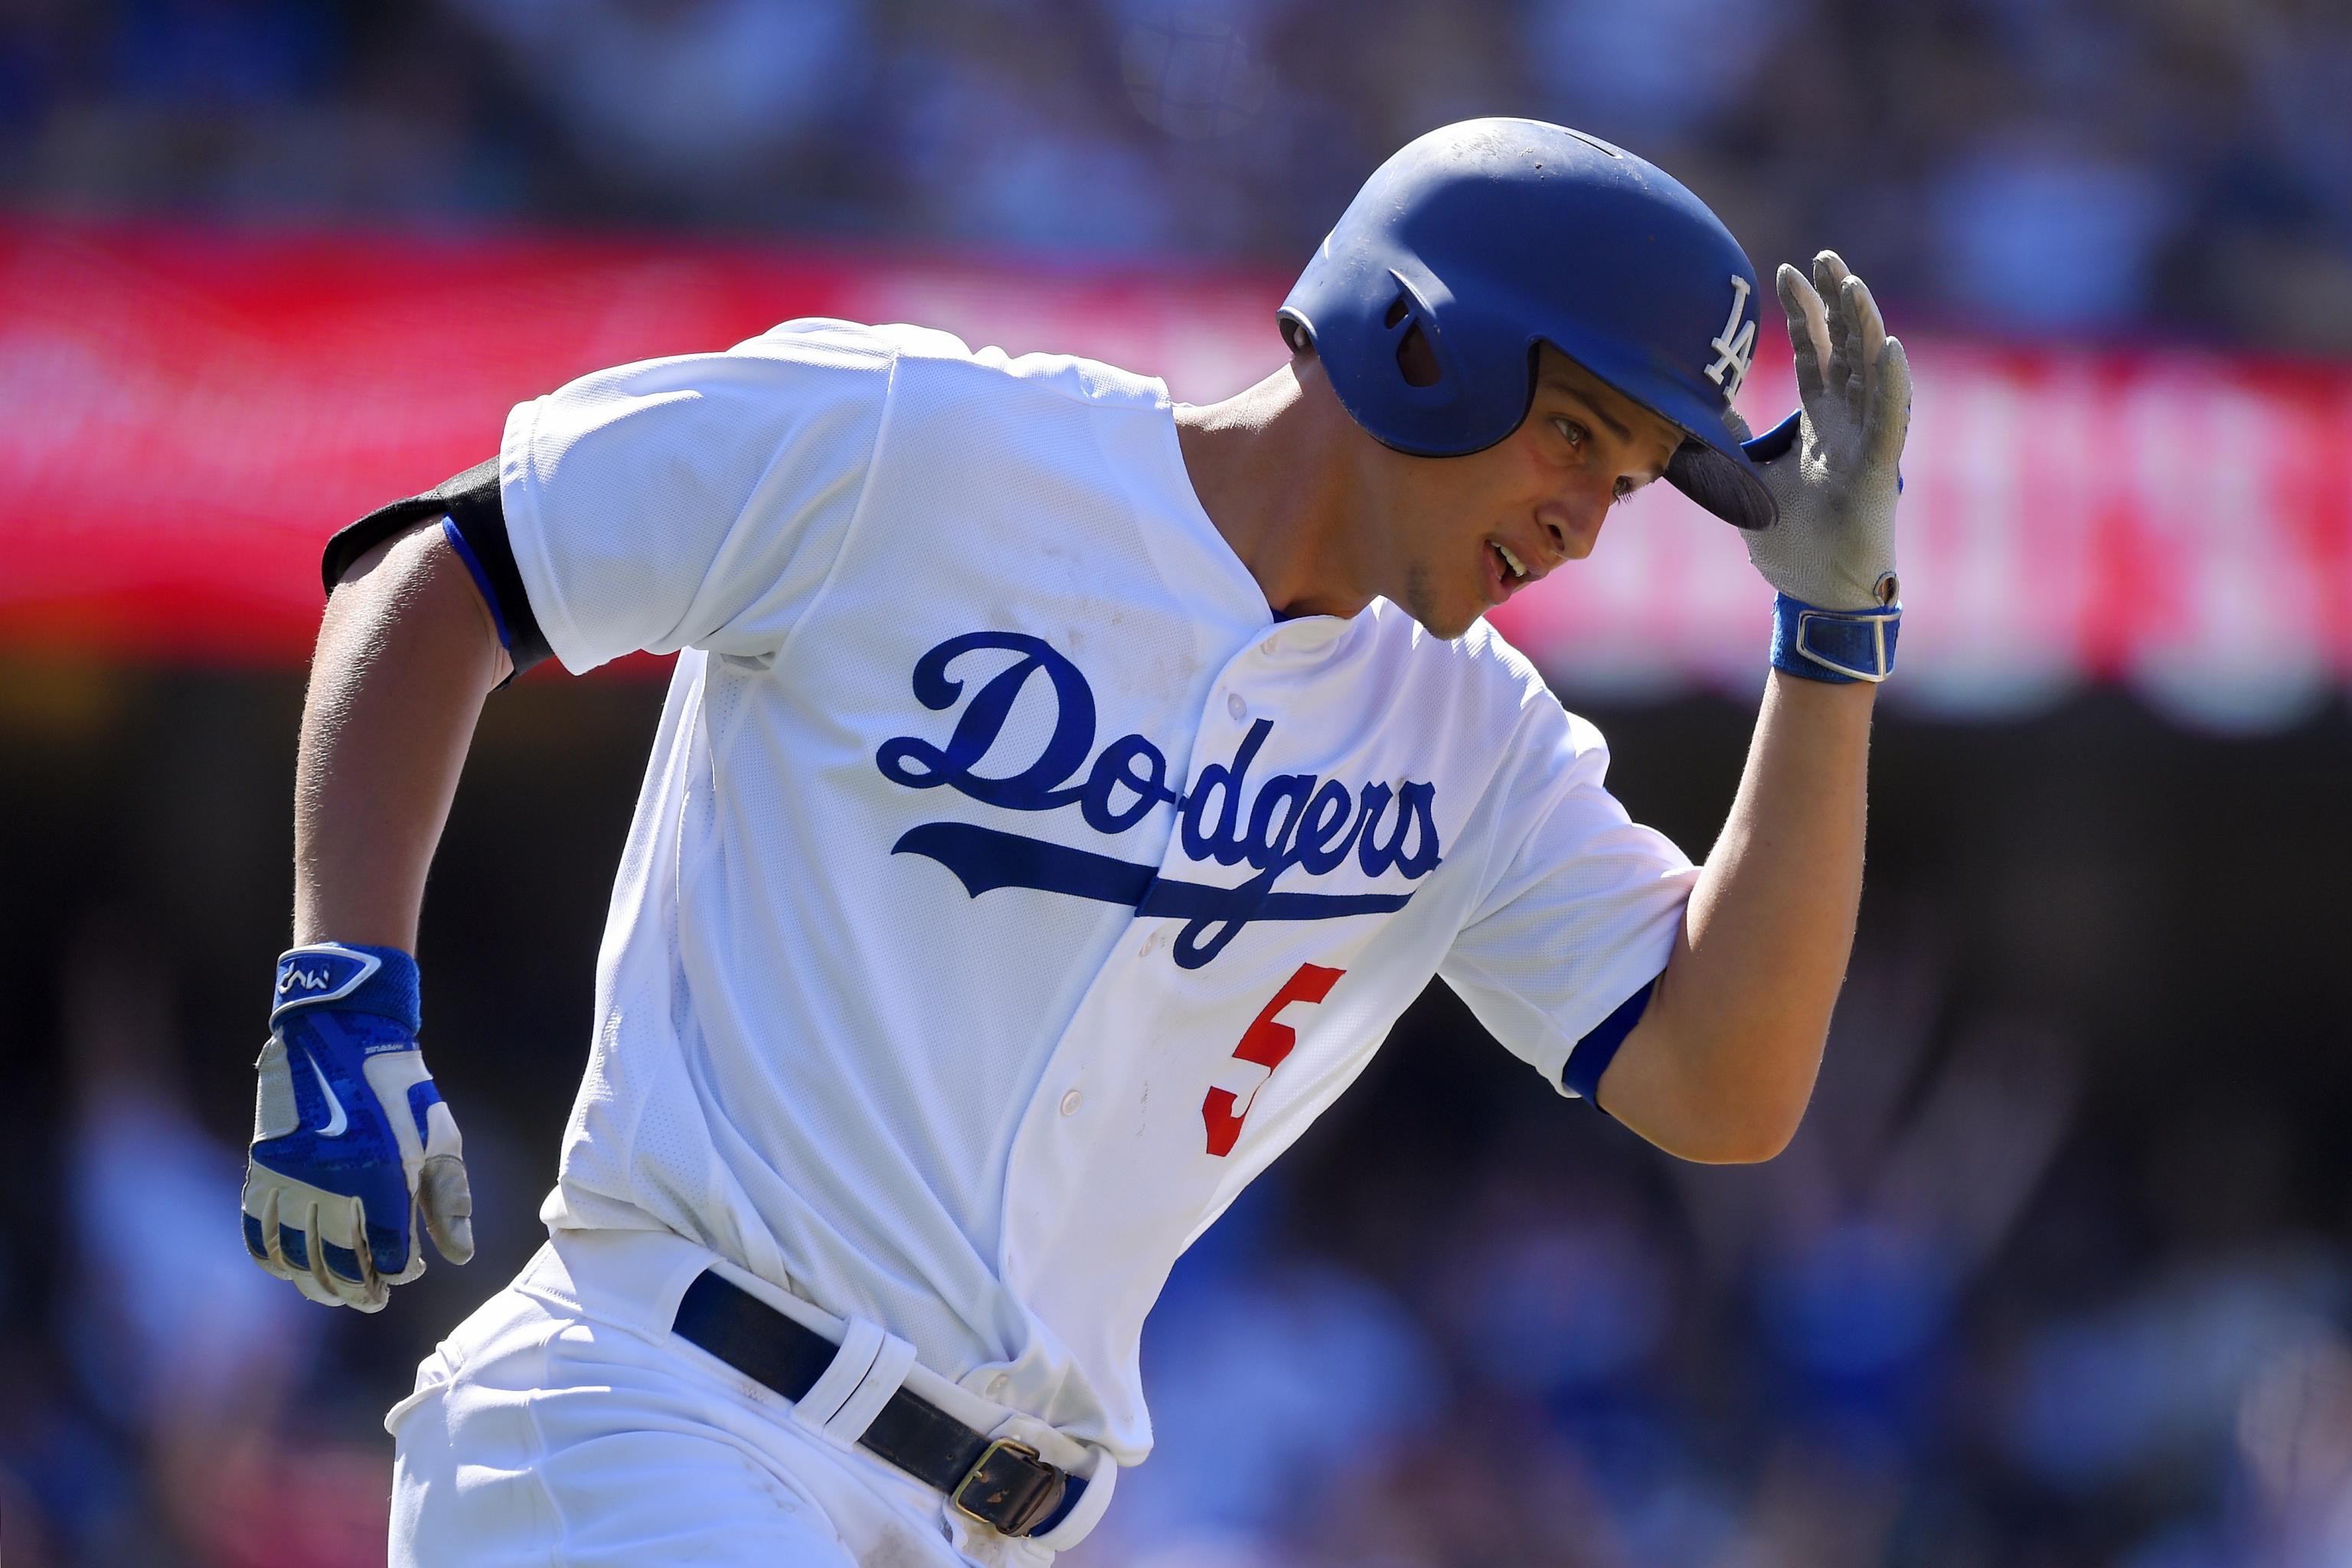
[(2056, 1273)]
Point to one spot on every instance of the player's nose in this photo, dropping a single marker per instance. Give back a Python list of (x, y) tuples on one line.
[(1571, 517)]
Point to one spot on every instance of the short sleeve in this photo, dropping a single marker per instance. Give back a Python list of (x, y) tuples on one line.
[(696, 501), (1583, 912)]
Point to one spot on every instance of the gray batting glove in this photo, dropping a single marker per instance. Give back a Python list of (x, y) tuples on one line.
[(1833, 468)]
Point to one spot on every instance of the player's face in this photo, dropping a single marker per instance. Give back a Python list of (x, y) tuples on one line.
[(1471, 531)]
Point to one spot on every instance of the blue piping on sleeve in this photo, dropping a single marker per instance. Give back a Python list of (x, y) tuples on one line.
[(481, 578), (1593, 1053)]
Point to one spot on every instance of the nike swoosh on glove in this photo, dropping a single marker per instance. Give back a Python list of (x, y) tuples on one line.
[(351, 1144)]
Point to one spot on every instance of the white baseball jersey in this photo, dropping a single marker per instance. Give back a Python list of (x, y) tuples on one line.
[(1009, 886)]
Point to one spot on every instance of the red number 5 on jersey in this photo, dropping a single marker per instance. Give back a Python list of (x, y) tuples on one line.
[(1267, 1043)]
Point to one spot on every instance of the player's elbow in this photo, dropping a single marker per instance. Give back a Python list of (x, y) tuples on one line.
[(1731, 1101), (1751, 1118), (1740, 1136), (1747, 1141)]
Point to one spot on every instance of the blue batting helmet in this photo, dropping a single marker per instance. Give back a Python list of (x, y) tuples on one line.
[(1493, 235)]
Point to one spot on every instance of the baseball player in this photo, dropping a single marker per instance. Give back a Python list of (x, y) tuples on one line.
[(1060, 793)]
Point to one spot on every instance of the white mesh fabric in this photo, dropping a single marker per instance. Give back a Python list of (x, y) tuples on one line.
[(979, 1118), (627, 493), (1585, 912)]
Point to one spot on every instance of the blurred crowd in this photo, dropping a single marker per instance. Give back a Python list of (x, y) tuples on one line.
[(2109, 167), (1959, 1324), (2054, 1277), (1953, 1326)]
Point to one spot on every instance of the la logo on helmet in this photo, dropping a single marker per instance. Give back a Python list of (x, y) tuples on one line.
[(1735, 345)]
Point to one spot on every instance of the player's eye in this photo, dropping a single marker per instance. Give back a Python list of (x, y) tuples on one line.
[(1624, 488), (1577, 435)]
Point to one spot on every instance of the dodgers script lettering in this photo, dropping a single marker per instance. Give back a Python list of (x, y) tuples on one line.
[(1291, 822)]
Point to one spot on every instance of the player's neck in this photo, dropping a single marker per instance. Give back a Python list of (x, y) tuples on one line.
[(1269, 469)]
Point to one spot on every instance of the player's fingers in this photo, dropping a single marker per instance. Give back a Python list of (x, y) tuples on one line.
[(1809, 330), (258, 1213), (273, 1238), (299, 1246), (351, 1266), (1829, 271), (374, 1290), (1829, 282), (335, 1288), (315, 1291), (1873, 341), (446, 1200), (316, 1246), (1889, 421), (1873, 325), (1854, 305)]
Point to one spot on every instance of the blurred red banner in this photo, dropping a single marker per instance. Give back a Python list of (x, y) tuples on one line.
[(185, 415)]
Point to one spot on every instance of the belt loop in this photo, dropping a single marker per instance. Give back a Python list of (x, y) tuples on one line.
[(843, 1377), (1093, 1480), (882, 1380)]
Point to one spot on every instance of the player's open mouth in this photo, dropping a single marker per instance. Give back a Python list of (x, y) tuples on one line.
[(1508, 574)]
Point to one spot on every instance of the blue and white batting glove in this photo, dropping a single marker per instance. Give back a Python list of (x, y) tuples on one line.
[(350, 1140)]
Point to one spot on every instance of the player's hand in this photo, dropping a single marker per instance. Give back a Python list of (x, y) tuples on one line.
[(350, 1140), (1834, 466)]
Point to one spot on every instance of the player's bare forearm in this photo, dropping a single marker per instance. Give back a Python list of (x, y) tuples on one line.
[(1723, 1062), (406, 654)]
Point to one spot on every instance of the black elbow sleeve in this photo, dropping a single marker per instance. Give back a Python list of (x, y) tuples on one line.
[(478, 527)]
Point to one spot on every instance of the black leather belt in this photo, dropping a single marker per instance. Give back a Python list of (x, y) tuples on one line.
[(1002, 1483)]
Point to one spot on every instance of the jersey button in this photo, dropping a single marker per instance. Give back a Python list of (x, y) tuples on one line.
[(1070, 1102), (1267, 646), (1235, 705), (998, 1384)]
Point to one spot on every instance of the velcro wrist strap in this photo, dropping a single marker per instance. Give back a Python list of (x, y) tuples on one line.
[(348, 977), (1836, 646)]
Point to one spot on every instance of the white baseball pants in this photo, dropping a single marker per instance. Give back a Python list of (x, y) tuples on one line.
[(562, 1426)]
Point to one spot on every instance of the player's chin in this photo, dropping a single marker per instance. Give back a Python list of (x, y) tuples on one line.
[(1447, 622), (1442, 616)]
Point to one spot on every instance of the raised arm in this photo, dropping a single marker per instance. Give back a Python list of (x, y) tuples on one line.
[(1721, 1067), (1722, 1063)]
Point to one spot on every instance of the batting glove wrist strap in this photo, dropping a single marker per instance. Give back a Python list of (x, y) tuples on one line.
[(351, 1144), (1841, 646), (349, 978)]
